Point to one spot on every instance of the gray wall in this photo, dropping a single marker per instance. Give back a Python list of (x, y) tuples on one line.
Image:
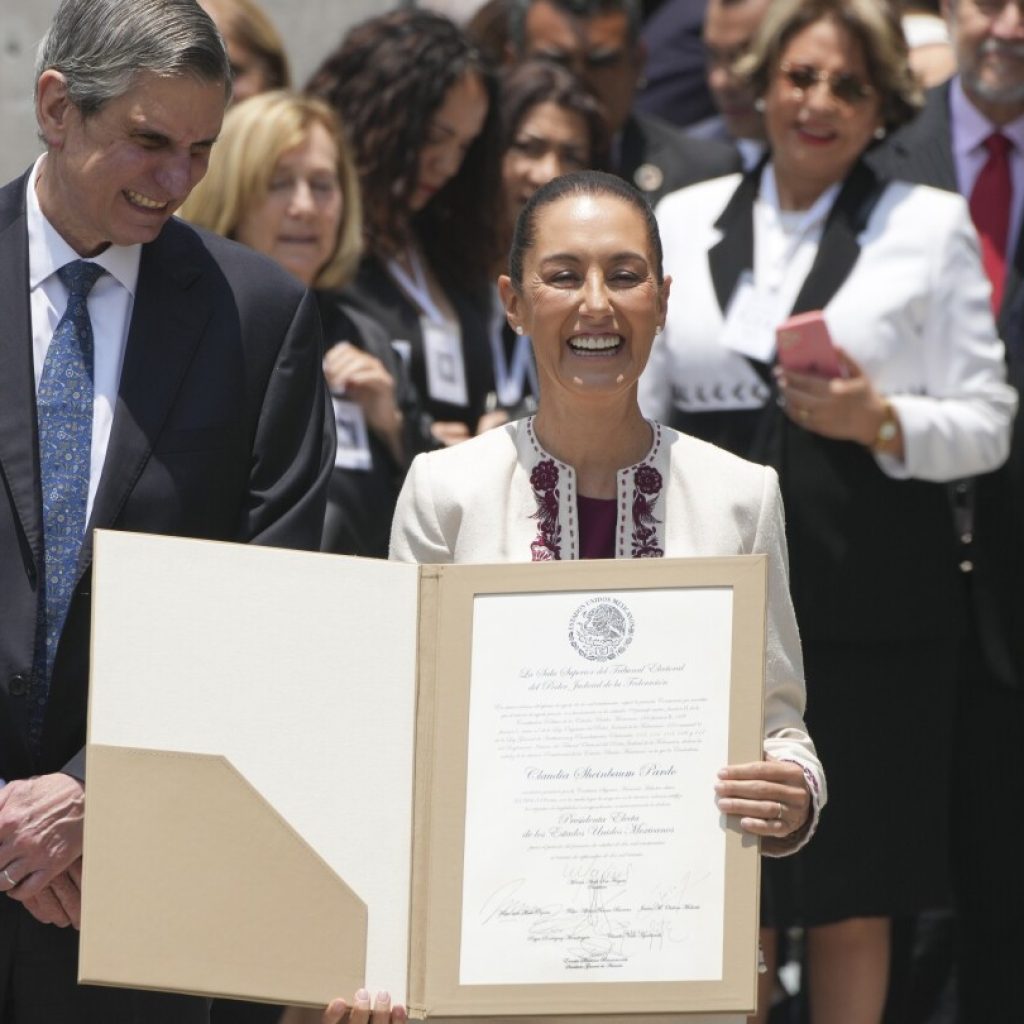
[(310, 28)]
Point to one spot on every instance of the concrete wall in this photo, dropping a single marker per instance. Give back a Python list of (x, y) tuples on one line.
[(310, 28)]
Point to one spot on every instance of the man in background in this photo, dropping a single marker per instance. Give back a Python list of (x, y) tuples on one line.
[(598, 40)]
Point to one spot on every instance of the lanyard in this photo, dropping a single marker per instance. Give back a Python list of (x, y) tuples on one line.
[(416, 286), (510, 375)]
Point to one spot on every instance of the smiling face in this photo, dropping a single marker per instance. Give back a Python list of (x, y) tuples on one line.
[(589, 298), (118, 176), (816, 137), (989, 39), (298, 221), (451, 132), (549, 142)]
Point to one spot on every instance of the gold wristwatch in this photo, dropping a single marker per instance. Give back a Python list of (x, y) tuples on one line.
[(888, 429)]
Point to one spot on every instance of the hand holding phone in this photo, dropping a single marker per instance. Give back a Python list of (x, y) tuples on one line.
[(804, 345)]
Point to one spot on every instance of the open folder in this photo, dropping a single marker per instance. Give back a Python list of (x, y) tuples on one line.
[(485, 789)]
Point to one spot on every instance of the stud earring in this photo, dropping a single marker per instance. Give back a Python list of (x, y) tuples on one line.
[(759, 104), (519, 329), (879, 133), (658, 329)]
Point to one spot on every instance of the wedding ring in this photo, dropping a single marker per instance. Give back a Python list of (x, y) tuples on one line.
[(4, 876), (782, 807)]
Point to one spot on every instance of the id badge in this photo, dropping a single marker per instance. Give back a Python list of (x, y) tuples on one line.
[(353, 437), (750, 321), (446, 371)]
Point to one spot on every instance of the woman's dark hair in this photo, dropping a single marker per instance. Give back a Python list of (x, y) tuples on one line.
[(534, 82), (579, 183), (387, 80)]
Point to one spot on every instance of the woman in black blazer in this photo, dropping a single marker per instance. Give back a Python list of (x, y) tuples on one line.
[(418, 105)]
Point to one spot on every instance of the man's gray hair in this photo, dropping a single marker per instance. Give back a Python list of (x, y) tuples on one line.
[(99, 46)]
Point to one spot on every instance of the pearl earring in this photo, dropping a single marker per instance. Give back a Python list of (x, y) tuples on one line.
[(759, 104), (658, 330), (879, 133), (519, 329)]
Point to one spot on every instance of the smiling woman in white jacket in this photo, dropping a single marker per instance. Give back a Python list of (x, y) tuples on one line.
[(589, 477)]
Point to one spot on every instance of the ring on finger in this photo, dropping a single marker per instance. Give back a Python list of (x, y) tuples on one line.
[(782, 808), (5, 877)]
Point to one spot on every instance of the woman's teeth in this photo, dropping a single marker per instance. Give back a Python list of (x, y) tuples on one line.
[(595, 342)]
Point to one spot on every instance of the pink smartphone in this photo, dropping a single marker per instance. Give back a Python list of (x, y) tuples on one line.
[(805, 346)]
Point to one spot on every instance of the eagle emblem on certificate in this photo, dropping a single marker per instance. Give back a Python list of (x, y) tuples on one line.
[(601, 629)]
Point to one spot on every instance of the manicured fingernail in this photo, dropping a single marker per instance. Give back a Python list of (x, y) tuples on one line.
[(383, 997), (362, 996), (723, 773)]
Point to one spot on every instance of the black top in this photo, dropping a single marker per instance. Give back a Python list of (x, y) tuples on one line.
[(376, 293)]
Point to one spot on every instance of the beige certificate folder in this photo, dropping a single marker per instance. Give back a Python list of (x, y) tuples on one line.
[(280, 805)]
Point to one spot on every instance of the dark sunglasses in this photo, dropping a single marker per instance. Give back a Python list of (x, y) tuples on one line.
[(846, 88)]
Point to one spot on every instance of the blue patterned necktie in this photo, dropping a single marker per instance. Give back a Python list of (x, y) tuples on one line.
[(64, 410)]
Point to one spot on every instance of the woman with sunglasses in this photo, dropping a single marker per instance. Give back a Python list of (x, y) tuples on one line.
[(915, 397)]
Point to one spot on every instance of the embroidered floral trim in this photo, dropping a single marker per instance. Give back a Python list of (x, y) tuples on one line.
[(547, 546), (647, 483)]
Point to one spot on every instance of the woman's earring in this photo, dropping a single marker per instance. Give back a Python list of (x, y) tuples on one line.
[(759, 104), (879, 132), (658, 330), (519, 329)]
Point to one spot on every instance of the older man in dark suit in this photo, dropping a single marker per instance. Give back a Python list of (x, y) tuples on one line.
[(598, 40), (970, 137), (152, 379)]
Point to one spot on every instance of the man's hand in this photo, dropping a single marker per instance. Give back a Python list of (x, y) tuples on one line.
[(60, 903), (40, 835)]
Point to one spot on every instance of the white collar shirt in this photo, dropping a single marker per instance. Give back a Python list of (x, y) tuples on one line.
[(110, 306), (969, 129)]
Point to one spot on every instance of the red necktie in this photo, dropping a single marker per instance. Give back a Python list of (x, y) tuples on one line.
[(990, 211)]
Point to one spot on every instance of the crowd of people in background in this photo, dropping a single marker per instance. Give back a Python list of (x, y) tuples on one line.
[(864, 158)]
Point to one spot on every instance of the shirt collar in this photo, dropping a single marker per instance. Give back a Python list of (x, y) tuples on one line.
[(48, 251), (971, 128), (812, 218)]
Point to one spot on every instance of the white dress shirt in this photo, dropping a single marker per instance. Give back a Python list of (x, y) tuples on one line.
[(970, 128), (110, 310)]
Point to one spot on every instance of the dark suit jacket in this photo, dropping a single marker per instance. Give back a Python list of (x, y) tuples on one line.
[(993, 543), (676, 86), (658, 158), (220, 431), (361, 503)]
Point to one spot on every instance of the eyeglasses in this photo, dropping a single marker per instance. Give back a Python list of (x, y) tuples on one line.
[(846, 88)]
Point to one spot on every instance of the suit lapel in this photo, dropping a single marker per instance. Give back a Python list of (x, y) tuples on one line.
[(19, 460), (733, 253), (840, 246), (171, 308)]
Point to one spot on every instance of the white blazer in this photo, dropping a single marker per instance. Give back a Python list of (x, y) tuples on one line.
[(914, 312), (501, 497)]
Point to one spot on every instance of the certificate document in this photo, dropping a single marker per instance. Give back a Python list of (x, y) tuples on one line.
[(597, 724), (540, 796)]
